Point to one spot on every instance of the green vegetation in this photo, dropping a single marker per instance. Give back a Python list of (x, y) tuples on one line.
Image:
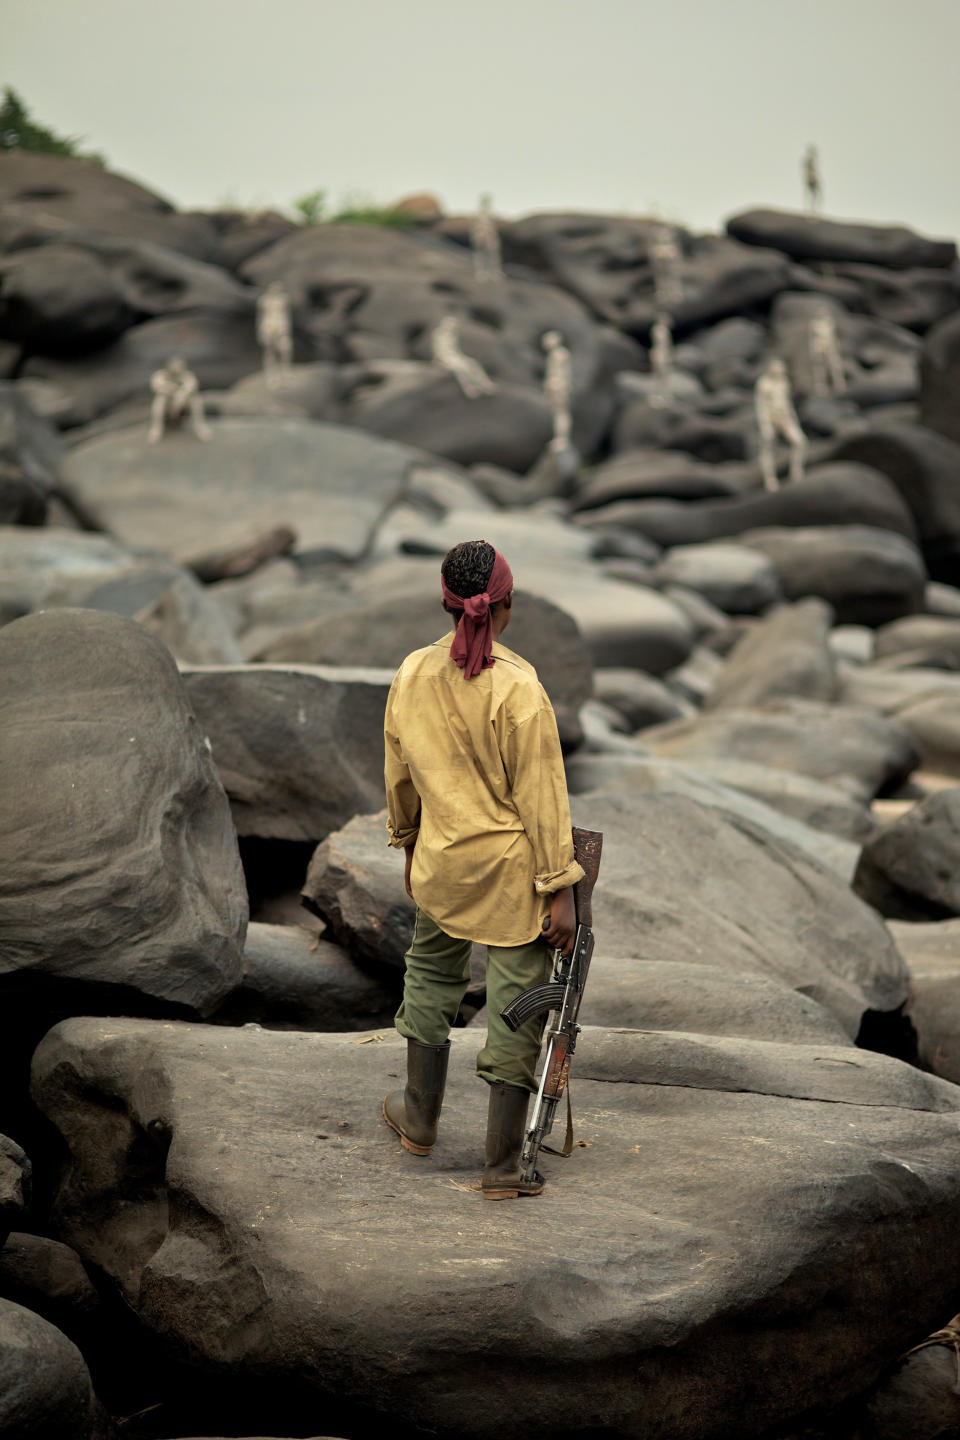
[(354, 210), (19, 131)]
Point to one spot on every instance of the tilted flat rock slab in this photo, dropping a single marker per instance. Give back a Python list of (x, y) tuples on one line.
[(681, 881), (732, 1194), (299, 748), (812, 237), (331, 485)]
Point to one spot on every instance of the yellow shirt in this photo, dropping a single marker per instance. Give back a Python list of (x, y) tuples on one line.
[(475, 780)]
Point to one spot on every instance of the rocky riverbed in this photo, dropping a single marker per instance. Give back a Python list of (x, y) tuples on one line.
[(208, 1229)]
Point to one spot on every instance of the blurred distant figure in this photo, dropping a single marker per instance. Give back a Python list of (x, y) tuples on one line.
[(275, 329), (485, 242), (446, 353), (773, 404), (812, 186), (826, 363), (175, 391), (661, 346), (664, 255), (557, 386)]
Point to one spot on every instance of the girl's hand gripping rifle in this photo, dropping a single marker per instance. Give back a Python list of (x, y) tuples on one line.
[(562, 996)]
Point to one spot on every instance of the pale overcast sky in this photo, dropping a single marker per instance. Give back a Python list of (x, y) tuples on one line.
[(692, 109)]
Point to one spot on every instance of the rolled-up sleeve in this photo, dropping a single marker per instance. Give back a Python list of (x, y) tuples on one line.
[(403, 802), (534, 765)]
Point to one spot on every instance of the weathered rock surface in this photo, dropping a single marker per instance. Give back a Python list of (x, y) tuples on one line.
[(678, 994), (940, 379), (219, 348), (375, 631), (637, 474), (329, 484), (924, 703), (853, 748), (15, 1173), (121, 881), (45, 1391), (53, 566), (299, 748), (30, 454), (605, 261), (733, 577), (816, 804), (786, 654), (932, 953), (626, 774), (681, 881), (829, 495), (910, 869), (869, 576), (923, 466), (231, 1260), (640, 699), (355, 883), (84, 195), (812, 237), (932, 637), (294, 981)]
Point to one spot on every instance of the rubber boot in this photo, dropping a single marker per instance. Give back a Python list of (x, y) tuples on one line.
[(414, 1111), (506, 1129)]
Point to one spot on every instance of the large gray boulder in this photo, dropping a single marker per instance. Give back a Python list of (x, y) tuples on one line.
[(785, 654), (681, 880), (868, 575), (218, 346), (923, 466), (81, 290), (381, 293), (940, 379), (15, 1176), (845, 494), (293, 980), (299, 748), (355, 884), (818, 805), (735, 578), (910, 869), (30, 457), (38, 191), (729, 1188), (923, 703), (52, 565), (121, 877), (375, 631), (812, 237), (330, 485), (932, 953), (929, 637), (853, 748), (605, 261), (630, 775), (45, 1390)]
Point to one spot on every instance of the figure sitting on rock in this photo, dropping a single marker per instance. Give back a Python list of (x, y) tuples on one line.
[(826, 365), (477, 800), (485, 243), (445, 353), (773, 404), (175, 391), (275, 329), (557, 386)]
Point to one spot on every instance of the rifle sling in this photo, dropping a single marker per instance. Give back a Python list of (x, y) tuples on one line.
[(568, 1138)]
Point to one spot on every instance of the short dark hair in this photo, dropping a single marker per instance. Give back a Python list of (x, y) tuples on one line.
[(466, 568)]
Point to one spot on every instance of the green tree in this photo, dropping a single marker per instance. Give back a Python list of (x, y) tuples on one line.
[(311, 207), (18, 131)]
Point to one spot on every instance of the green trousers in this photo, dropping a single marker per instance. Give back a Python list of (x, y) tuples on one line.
[(436, 979)]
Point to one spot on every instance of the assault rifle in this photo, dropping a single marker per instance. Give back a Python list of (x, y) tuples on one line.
[(561, 995)]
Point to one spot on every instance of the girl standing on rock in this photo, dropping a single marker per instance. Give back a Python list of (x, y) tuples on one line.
[(477, 798)]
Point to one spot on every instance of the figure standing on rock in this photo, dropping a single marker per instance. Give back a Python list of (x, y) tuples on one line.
[(477, 799)]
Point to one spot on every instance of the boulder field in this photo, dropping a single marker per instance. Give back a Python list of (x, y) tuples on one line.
[(206, 1226)]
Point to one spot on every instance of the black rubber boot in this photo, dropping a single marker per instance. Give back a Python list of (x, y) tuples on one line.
[(506, 1128), (414, 1111)]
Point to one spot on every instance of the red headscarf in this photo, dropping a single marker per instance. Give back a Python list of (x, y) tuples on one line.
[(472, 647)]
